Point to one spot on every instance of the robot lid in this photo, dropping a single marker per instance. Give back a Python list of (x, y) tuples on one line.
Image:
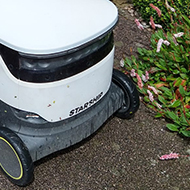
[(51, 26)]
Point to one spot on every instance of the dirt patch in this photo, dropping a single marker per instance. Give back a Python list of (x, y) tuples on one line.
[(127, 36)]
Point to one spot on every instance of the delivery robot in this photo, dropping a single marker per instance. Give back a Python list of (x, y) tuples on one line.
[(57, 83)]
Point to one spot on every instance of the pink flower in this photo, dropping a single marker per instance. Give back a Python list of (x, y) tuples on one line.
[(152, 23), (169, 7), (144, 78), (175, 42), (159, 44), (147, 75), (169, 156), (158, 105), (139, 25), (156, 9), (140, 84), (166, 42), (132, 73), (153, 89), (178, 35), (150, 96), (158, 25)]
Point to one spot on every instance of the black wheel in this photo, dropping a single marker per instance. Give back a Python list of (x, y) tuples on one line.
[(15, 159), (131, 100)]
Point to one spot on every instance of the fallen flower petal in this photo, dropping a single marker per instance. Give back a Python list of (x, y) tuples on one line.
[(169, 156), (139, 25), (122, 63)]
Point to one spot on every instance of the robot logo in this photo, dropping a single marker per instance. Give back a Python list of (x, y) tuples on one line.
[(85, 105)]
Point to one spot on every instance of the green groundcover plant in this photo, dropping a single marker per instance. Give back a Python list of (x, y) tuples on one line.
[(146, 11), (162, 73)]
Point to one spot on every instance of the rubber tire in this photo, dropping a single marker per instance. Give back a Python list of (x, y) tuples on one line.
[(131, 100), (15, 161)]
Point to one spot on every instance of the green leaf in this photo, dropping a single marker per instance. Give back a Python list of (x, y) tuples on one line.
[(146, 58), (183, 120), (162, 62), (159, 34), (128, 61), (169, 37), (186, 133), (170, 78), (151, 60), (178, 58), (182, 49), (168, 93), (140, 51), (162, 99), (172, 127), (133, 59), (186, 19), (187, 115), (146, 99), (187, 100), (160, 66), (172, 115), (176, 71), (175, 104), (183, 70), (178, 81), (154, 69), (142, 91), (182, 91), (163, 88), (151, 106), (158, 115), (140, 72), (183, 76)]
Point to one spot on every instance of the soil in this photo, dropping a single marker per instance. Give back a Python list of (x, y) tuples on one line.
[(122, 154)]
